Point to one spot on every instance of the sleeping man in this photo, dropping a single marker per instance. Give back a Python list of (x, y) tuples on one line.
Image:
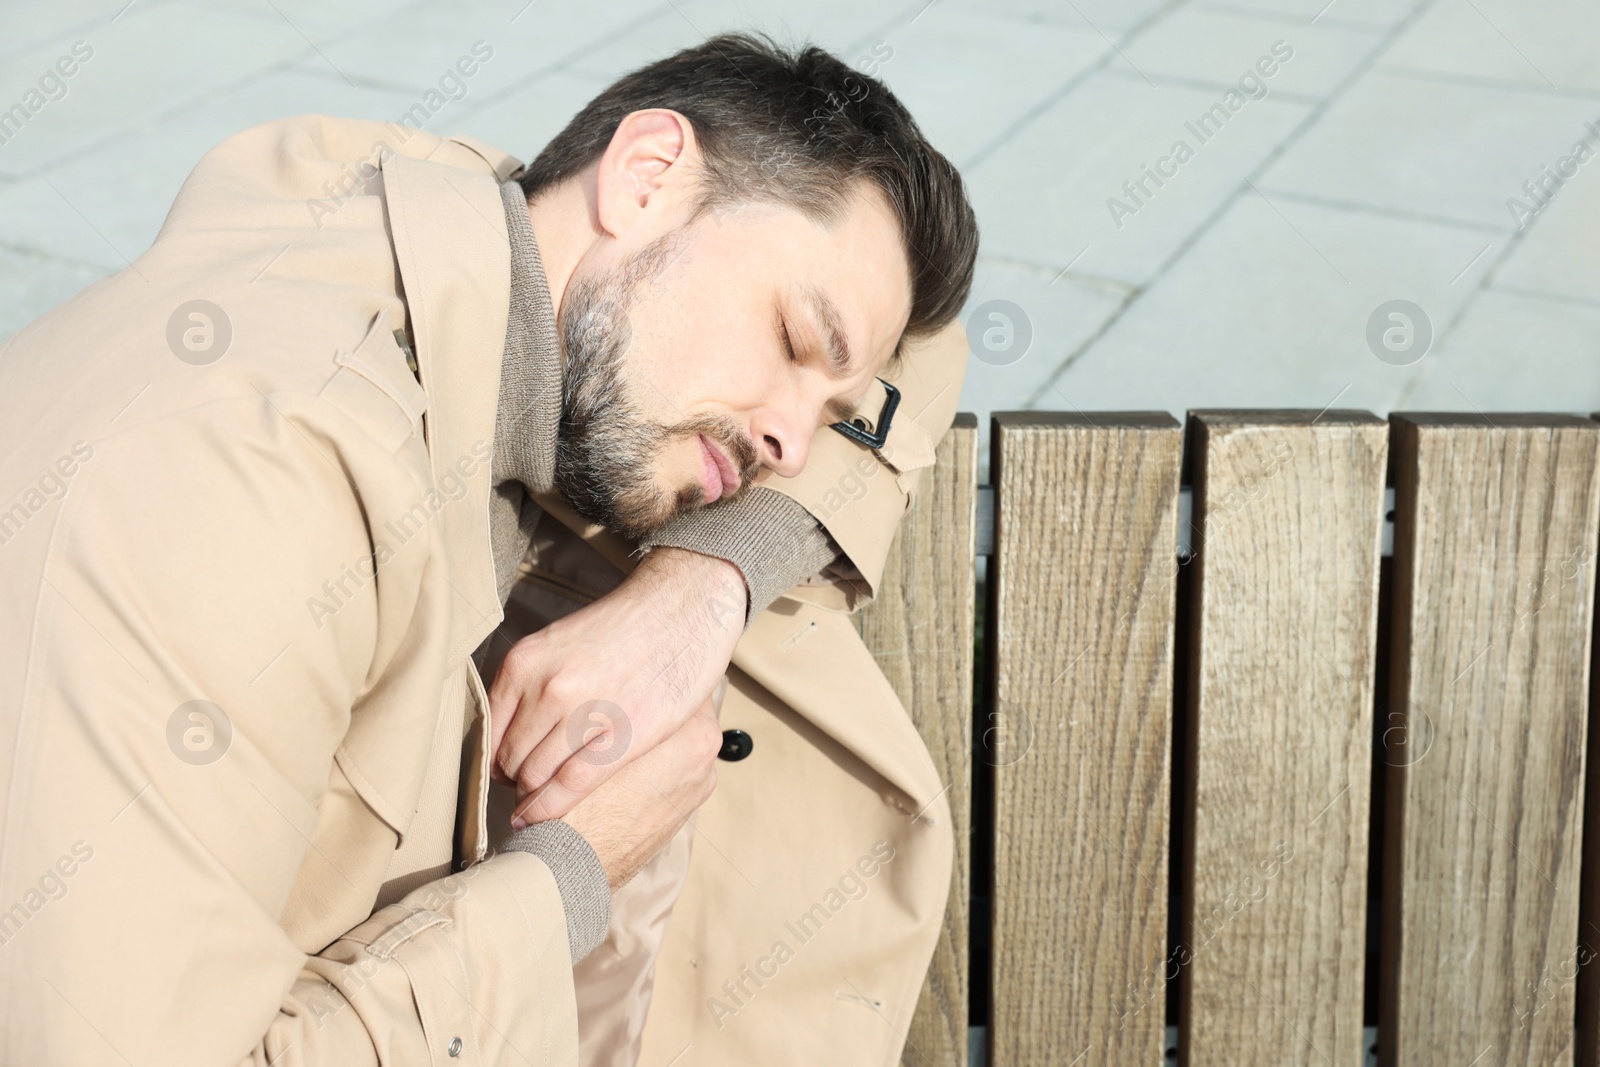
[(379, 415)]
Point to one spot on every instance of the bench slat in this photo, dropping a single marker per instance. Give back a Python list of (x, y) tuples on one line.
[(1289, 507), (919, 628), (1495, 531), (1080, 631)]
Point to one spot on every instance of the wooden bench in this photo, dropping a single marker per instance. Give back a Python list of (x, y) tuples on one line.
[(1325, 771)]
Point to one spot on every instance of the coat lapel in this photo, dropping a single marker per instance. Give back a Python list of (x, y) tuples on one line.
[(454, 255)]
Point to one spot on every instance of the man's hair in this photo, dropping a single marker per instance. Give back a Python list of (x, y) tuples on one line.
[(795, 127)]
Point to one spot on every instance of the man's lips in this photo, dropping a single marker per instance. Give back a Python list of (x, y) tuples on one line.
[(718, 477)]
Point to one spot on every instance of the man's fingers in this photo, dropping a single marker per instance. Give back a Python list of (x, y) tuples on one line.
[(551, 802), (534, 723), (519, 677), (579, 772), (681, 764)]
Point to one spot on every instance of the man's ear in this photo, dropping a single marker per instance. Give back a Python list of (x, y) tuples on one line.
[(647, 174)]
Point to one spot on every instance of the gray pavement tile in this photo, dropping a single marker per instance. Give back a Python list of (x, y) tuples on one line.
[(1112, 17), (1381, 13), (1560, 252), (1551, 43), (1227, 47), (144, 66), (1431, 147), (75, 212), (848, 29), (1515, 353), (420, 47), (1058, 186), (1257, 314), (24, 27), (655, 37), (1023, 324), (319, 20), (522, 122), (34, 286), (966, 77)]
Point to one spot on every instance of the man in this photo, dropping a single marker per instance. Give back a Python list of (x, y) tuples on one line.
[(276, 482)]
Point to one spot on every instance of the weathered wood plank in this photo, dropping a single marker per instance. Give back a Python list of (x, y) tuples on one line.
[(1586, 1044), (1080, 633), (1289, 506), (919, 628), (1495, 530)]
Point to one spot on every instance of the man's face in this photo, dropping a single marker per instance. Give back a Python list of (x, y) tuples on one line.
[(679, 384)]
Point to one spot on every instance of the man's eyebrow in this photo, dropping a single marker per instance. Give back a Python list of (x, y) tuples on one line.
[(833, 331)]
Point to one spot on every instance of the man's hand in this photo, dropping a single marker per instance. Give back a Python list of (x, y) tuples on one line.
[(632, 817), (584, 697)]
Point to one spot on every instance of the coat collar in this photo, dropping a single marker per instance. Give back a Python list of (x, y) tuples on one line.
[(450, 243)]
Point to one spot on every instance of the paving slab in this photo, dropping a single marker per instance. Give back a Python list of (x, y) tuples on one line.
[(1230, 47), (24, 27), (848, 29), (966, 77), (1560, 252), (1431, 147), (75, 212), (145, 65), (1025, 324), (1112, 17), (320, 21), (523, 122), (1515, 353), (419, 49), (1271, 308), (1057, 187), (1551, 44), (1381, 13)]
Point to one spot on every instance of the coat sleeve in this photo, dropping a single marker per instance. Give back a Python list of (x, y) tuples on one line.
[(181, 729), (459, 963)]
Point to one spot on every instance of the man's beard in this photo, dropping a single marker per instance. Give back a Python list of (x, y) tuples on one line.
[(606, 451)]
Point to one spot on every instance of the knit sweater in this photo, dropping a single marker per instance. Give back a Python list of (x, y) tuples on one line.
[(772, 539)]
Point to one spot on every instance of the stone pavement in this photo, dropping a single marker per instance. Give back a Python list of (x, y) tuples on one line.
[(1384, 204)]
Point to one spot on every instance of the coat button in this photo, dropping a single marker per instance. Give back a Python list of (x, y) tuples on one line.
[(736, 745), (455, 1046)]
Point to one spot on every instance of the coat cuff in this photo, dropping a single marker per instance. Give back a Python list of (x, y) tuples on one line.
[(581, 880), (773, 540)]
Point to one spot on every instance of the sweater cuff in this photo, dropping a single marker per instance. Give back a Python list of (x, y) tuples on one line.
[(581, 880), (773, 540)]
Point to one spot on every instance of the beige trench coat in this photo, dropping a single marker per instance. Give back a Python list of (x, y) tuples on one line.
[(243, 564)]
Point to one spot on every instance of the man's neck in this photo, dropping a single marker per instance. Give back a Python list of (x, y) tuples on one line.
[(563, 220)]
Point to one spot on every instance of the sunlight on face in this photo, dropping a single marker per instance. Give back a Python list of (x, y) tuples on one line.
[(679, 384), (607, 451)]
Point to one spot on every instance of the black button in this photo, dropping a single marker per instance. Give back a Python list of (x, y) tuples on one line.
[(736, 745)]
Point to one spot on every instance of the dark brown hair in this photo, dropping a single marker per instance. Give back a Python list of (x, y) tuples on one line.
[(795, 127)]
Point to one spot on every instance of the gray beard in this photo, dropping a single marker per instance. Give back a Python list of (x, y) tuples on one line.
[(606, 450)]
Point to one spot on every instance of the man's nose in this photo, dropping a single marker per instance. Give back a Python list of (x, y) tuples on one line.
[(783, 444)]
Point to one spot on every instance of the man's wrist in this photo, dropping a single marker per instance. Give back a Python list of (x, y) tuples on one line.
[(770, 538), (725, 586)]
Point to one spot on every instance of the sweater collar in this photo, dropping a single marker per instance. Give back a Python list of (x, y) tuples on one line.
[(529, 412)]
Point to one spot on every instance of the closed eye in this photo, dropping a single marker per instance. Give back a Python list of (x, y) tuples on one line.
[(788, 345)]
